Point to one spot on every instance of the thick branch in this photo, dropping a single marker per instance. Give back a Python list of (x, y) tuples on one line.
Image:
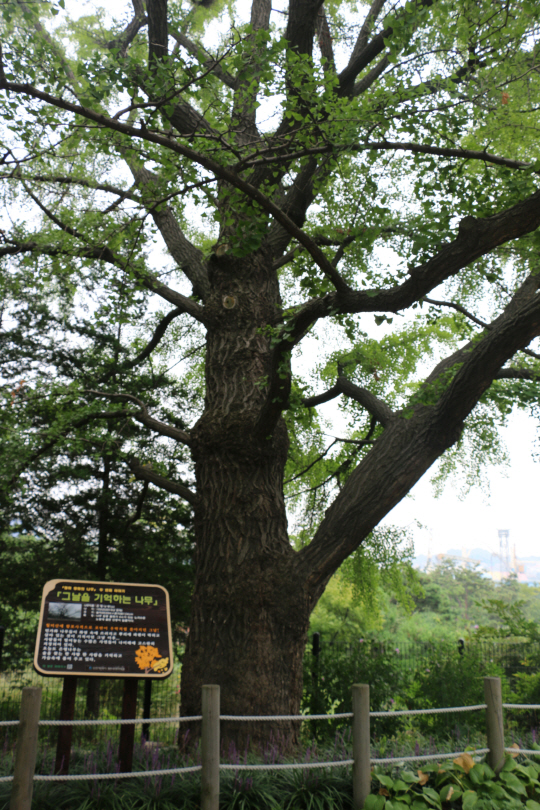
[(189, 258), (157, 30), (403, 146), (365, 31), (371, 77), (301, 24), (376, 407), (246, 90), (144, 472), (320, 399), (144, 417), (476, 237), (105, 254), (518, 374), (365, 52), (479, 362), (124, 40), (409, 446), (368, 54), (325, 40)]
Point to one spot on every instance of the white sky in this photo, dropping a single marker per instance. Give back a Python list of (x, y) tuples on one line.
[(475, 521)]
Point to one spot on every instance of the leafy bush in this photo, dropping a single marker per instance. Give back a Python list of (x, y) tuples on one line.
[(462, 783), (20, 637), (459, 785), (448, 679), (329, 677)]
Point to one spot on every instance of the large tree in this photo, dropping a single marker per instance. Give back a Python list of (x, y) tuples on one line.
[(304, 170)]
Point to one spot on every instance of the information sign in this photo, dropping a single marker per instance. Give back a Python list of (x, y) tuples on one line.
[(104, 629)]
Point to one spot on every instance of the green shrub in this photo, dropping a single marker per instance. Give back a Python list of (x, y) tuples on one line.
[(448, 679), (328, 681), (462, 783)]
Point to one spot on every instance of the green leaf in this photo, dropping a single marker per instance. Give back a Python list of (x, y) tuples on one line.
[(512, 782), (385, 780), (374, 802), (432, 797), (470, 798)]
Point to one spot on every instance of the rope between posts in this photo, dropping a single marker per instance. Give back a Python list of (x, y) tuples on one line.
[(254, 718), (120, 722), (521, 706), (285, 716), (282, 767), (430, 711), (72, 777), (522, 751), (425, 757), (287, 767)]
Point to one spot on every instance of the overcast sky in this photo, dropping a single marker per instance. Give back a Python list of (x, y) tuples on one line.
[(475, 521)]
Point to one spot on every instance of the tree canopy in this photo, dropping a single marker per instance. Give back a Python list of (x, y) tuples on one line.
[(188, 187)]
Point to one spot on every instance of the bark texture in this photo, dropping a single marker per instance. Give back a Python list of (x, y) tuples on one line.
[(247, 633)]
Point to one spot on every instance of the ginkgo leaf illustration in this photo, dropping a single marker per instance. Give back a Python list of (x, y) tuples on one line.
[(160, 665), (146, 655)]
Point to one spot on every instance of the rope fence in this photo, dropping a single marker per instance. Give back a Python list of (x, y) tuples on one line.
[(132, 721), (430, 757), (521, 705), (210, 767), (402, 713), (277, 717)]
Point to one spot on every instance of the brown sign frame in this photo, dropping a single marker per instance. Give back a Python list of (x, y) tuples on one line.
[(72, 627)]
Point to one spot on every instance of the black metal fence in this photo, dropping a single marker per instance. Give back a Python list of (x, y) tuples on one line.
[(96, 698), (513, 657), (331, 665), (417, 675)]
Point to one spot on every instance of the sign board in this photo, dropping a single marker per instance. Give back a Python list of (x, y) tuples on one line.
[(104, 629)]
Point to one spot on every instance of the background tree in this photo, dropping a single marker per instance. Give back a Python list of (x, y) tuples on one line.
[(72, 507), (343, 163)]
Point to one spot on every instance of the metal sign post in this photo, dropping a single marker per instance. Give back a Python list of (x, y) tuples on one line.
[(147, 705), (127, 731), (67, 712)]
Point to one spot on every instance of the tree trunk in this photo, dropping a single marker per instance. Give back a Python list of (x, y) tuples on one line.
[(249, 619)]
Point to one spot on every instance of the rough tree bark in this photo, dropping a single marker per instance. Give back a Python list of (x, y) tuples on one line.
[(249, 615)]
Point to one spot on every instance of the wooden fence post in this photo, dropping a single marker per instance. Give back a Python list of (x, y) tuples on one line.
[(361, 745), (494, 723), (210, 748), (25, 756)]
